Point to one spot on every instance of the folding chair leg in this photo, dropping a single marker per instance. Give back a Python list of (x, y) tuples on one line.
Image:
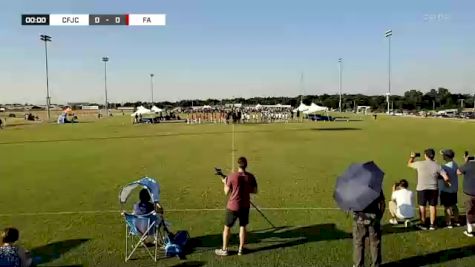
[(126, 245), (139, 243)]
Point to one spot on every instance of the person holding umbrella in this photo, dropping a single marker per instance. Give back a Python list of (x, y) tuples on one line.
[(359, 190), (428, 172)]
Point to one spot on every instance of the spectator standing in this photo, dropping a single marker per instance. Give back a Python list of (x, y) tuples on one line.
[(468, 172), (448, 194), (428, 172)]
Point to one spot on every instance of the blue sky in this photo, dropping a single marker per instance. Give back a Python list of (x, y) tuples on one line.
[(216, 48)]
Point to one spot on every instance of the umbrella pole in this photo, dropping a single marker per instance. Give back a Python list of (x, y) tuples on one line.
[(262, 214), (232, 149)]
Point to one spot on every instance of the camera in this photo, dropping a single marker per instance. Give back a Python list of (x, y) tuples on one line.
[(417, 155)]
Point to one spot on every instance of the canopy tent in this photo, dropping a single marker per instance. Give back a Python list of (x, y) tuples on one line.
[(276, 106), (141, 111), (156, 109), (314, 108), (148, 183), (258, 106), (301, 108)]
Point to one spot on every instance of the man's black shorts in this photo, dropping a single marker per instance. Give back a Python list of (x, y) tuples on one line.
[(448, 199), (232, 216), (430, 197)]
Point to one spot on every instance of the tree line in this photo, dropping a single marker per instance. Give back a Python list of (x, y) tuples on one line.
[(413, 100)]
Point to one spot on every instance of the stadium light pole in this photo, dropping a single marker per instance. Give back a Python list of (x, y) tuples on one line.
[(340, 61), (388, 35), (106, 104), (46, 39), (151, 85), (302, 87)]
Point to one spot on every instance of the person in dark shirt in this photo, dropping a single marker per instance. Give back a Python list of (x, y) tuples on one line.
[(238, 186), (468, 172), (144, 206), (367, 223)]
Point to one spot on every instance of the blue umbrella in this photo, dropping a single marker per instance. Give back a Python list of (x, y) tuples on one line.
[(359, 186)]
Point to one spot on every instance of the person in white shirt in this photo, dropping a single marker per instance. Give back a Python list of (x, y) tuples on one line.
[(401, 205)]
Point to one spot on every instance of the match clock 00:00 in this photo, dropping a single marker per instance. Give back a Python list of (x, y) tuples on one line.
[(35, 20)]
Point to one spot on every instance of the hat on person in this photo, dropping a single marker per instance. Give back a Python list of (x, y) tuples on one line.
[(449, 153)]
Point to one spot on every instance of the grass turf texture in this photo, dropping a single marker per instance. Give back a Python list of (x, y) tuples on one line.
[(81, 167)]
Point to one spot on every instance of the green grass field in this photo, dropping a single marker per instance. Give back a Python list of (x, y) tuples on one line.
[(81, 167)]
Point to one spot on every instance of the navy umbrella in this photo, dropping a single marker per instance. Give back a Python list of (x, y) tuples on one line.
[(359, 186)]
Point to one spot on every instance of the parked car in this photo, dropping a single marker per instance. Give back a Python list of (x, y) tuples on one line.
[(318, 117)]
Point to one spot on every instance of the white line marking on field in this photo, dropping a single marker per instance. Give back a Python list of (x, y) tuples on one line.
[(166, 210)]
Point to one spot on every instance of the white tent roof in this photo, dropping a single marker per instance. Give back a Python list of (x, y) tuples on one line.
[(155, 109), (302, 107), (258, 106), (314, 108), (141, 110)]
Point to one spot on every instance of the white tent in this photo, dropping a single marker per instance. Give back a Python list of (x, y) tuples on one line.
[(258, 106), (155, 109), (141, 111), (314, 108), (301, 108)]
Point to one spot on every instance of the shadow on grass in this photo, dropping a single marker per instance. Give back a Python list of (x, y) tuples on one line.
[(338, 129), (190, 264), (435, 257), (287, 236), (280, 237), (54, 251)]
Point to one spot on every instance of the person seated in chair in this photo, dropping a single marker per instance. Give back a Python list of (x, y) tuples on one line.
[(144, 206), (11, 254), (401, 205)]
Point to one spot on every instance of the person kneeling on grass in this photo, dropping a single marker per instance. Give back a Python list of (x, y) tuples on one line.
[(10, 254), (401, 205), (239, 186), (448, 194)]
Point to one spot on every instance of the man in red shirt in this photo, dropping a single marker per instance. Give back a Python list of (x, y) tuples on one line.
[(238, 186)]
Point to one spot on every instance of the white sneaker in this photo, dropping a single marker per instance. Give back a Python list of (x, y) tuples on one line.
[(393, 221), (407, 223), (468, 233), (221, 252)]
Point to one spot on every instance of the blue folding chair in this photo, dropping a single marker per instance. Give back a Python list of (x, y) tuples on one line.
[(139, 228)]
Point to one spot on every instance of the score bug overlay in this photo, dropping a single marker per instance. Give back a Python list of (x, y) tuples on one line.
[(94, 19), (35, 19)]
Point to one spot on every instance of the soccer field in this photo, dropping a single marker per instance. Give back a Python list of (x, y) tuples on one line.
[(60, 185)]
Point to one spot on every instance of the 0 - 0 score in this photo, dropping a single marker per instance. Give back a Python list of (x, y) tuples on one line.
[(98, 20)]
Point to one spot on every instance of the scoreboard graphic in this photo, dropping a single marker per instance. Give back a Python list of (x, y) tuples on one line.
[(93, 19)]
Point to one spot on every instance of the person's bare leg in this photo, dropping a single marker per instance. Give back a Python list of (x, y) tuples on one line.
[(422, 214), (242, 237), (456, 214), (448, 215), (226, 236), (433, 214), (392, 209)]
